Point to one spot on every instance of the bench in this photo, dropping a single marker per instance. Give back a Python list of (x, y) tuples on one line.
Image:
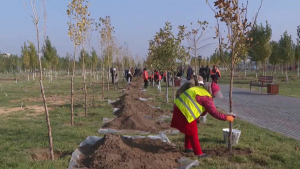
[(262, 81)]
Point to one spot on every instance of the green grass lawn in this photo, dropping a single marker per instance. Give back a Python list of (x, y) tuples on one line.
[(24, 131), (240, 80)]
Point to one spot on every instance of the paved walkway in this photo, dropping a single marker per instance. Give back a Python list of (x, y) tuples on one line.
[(274, 112)]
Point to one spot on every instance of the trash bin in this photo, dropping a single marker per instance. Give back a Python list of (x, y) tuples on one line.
[(273, 89), (177, 82)]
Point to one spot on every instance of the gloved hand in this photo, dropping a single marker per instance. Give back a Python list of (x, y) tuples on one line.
[(198, 120), (230, 118)]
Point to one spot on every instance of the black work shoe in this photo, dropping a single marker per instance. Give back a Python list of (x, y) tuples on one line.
[(203, 155), (188, 150)]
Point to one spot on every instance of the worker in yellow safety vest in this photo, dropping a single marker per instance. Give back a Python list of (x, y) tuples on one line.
[(189, 106)]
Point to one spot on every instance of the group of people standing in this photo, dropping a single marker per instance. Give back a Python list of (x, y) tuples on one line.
[(156, 77), (205, 73), (131, 72)]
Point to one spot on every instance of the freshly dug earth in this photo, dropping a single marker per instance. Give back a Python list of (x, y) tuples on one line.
[(135, 90), (134, 114), (132, 85), (114, 152), (129, 105), (136, 93), (136, 121)]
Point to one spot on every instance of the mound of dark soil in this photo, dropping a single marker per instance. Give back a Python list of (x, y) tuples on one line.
[(136, 122), (134, 114), (114, 152), (129, 105)]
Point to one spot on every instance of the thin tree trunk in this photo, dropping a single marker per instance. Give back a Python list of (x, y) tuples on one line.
[(245, 68), (85, 92), (93, 76), (173, 84), (230, 101), (51, 73), (256, 65), (32, 74), (72, 89), (263, 68), (28, 76), (123, 76), (167, 91), (93, 95), (108, 79), (286, 76), (44, 100), (298, 68), (102, 82), (72, 102), (153, 79), (230, 111), (85, 98), (159, 86), (48, 121)]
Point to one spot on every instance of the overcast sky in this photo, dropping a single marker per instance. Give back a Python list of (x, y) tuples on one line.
[(135, 21)]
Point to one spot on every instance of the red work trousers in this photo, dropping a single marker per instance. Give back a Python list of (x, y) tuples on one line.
[(192, 142)]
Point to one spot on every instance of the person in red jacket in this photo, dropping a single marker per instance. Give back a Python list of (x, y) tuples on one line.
[(187, 123), (159, 77), (145, 77), (215, 74)]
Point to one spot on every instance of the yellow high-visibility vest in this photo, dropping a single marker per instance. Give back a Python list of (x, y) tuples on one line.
[(188, 105)]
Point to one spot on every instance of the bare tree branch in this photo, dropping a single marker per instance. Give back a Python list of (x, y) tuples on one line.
[(28, 10)]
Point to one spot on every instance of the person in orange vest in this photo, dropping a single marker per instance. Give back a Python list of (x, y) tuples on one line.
[(215, 74), (159, 77), (145, 77), (150, 77), (165, 76)]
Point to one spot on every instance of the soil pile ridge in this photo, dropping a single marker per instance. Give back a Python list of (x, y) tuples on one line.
[(114, 152), (134, 114), (130, 105), (136, 122)]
